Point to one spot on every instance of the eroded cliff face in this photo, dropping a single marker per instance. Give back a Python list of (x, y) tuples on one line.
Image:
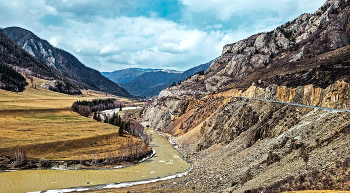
[(239, 143), (166, 110), (249, 144), (335, 96)]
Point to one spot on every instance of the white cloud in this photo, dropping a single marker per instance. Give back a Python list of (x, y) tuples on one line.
[(137, 42), (105, 41), (55, 40), (225, 9)]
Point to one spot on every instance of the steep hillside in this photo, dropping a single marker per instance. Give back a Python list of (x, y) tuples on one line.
[(10, 79), (63, 62), (14, 56), (245, 145), (234, 124)]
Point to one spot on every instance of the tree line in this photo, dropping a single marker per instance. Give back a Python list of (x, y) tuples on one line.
[(86, 108), (125, 125), (12, 80)]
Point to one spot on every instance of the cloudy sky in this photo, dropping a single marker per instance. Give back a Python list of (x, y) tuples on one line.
[(110, 35)]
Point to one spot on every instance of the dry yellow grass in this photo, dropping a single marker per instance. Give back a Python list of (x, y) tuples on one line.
[(41, 121)]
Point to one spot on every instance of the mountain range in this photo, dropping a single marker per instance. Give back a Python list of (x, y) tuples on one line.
[(61, 63), (56, 64), (149, 82), (129, 74)]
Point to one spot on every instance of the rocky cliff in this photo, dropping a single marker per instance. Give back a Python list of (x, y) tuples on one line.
[(295, 47), (243, 144)]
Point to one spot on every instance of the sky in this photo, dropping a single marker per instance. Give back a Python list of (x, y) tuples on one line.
[(110, 35)]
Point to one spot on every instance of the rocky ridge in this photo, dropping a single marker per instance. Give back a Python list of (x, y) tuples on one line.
[(306, 37), (246, 145)]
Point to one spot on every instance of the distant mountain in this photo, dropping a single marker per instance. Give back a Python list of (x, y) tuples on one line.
[(126, 75), (147, 82), (63, 62), (150, 83), (190, 72)]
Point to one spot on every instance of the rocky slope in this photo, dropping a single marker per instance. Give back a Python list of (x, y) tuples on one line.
[(63, 62), (291, 49), (243, 145), (248, 145)]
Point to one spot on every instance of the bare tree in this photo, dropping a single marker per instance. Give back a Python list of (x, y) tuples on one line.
[(94, 158), (81, 158), (122, 150), (19, 156)]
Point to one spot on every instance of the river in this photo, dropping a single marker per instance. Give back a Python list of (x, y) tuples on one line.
[(166, 162)]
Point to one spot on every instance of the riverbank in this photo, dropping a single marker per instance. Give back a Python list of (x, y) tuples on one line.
[(7, 163), (166, 162)]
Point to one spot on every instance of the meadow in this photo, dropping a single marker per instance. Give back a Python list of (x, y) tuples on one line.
[(41, 122)]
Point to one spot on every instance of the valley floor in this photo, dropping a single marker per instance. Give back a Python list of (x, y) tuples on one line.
[(40, 122)]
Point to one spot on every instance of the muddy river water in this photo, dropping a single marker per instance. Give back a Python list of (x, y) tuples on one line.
[(166, 162)]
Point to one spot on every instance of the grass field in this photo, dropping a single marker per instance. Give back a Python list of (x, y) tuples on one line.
[(41, 121)]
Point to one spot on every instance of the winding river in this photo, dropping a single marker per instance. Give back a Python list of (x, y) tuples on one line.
[(166, 162)]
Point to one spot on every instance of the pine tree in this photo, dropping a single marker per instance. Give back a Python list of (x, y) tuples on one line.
[(95, 116), (119, 119), (116, 122), (121, 128)]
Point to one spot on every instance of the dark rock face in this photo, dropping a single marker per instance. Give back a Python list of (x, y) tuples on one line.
[(63, 62)]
